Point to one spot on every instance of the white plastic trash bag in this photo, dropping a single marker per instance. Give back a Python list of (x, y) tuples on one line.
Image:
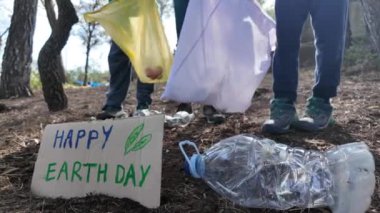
[(223, 54)]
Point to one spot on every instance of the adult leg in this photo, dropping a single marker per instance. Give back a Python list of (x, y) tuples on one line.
[(329, 19), (290, 16), (180, 7), (120, 74), (143, 95)]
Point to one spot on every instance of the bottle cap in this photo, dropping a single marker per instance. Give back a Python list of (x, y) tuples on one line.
[(192, 163), (191, 167)]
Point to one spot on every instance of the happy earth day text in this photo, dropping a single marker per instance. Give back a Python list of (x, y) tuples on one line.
[(73, 138), (124, 175), (91, 172)]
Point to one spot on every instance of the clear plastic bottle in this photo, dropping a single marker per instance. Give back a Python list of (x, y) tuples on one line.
[(181, 118), (261, 173)]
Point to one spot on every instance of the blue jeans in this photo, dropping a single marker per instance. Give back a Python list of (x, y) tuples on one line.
[(329, 21), (120, 70)]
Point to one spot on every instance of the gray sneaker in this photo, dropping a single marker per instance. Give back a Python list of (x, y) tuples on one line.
[(142, 110), (141, 113), (282, 115), (111, 114), (318, 115)]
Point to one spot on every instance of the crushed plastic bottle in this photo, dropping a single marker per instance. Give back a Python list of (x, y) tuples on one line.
[(145, 113), (260, 173), (181, 118)]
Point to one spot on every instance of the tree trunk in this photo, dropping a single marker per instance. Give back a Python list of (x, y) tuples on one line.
[(52, 17), (49, 57), (348, 33), (372, 18), (88, 49), (17, 59)]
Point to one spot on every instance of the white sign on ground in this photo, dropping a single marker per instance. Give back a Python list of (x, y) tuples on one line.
[(119, 158)]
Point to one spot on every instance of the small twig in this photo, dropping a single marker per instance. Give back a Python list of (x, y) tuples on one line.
[(4, 32), (9, 171)]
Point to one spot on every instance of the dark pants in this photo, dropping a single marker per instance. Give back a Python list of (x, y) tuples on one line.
[(180, 7), (329, 21), (120, 70)]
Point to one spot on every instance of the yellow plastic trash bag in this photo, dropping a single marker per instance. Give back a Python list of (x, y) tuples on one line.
[(135, 26)]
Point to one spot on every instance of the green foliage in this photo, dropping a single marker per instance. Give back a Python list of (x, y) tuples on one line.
[(271, 12), (361, 53), (268, 7), (72, 76), (35, 82), (165, 7)]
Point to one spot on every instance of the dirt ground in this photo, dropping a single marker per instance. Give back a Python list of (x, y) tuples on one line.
[(22, 121)]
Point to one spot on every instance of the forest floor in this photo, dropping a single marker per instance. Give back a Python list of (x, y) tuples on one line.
[(357, 117)]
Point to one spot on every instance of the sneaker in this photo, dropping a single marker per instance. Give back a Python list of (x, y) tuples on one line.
[(142, 106), (111, 114), (282, 115), (212, 115), (185, 107), (141, 111), (318, 115)]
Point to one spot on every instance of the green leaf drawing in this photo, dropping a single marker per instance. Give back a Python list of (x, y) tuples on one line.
[(142, 143), (132, 138)]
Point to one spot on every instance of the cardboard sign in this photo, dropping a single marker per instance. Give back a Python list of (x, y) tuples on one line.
[(119, 158)]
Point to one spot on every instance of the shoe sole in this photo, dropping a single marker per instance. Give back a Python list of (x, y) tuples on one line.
[(307, 127), (274, 130), (104, 117), (215, 119)]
